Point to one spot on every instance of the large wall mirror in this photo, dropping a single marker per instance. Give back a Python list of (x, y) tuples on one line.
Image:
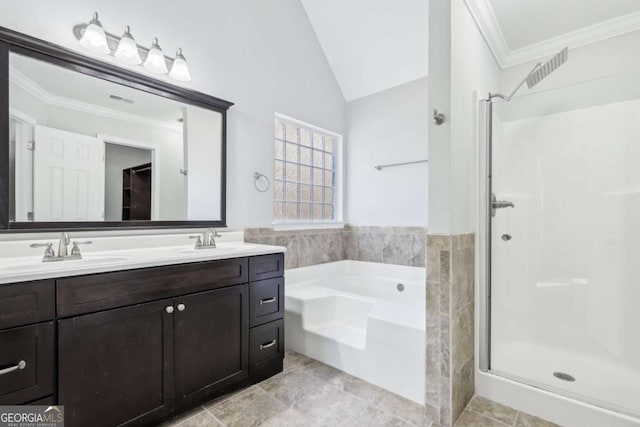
[(89, 146)]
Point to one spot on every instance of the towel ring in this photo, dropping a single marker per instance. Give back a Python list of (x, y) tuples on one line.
[(257, 176)]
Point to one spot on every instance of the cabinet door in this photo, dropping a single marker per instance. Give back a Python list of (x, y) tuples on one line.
[(211, 338), (116, 366)]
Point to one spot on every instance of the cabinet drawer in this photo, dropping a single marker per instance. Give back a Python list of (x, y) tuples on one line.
[(266, 350), (26, 363), (266, 267), (25, 303), (266, 302), (86, 294)]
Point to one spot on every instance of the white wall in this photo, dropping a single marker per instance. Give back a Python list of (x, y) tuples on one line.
[(117, 158), (474, 73), (388, 127), (261, 55), (440, 99), (461, 66)]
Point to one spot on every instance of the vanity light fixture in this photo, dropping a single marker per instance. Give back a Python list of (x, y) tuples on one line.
[(127, 51), (94, 38), (179, 69), (155, 59)]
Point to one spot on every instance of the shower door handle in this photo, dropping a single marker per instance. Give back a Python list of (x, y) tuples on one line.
[(499, 204)]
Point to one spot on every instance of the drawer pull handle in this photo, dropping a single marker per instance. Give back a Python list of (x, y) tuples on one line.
[(267, 345), (169, 309), (267, 300), (21, 365), (181, 307)]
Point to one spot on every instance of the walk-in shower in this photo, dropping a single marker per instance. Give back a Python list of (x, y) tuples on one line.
[(561, 286)]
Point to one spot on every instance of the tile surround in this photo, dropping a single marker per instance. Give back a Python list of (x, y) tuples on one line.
[(450, 326), (450, 264), (389, 245)]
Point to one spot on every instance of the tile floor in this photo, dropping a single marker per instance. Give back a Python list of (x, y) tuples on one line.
[(309, 393), (481, 412)]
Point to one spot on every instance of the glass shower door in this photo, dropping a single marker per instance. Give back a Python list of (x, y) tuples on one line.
[(565, 259)]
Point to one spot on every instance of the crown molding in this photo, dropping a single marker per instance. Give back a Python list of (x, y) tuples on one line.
[(506, 57), (487, 23), (43, 95)]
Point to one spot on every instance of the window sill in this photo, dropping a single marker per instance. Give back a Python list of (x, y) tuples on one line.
[(284, 226)]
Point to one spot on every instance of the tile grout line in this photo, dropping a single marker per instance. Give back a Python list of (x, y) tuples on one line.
[(187, 419), (515, 422), (488, 416), (214, 417)]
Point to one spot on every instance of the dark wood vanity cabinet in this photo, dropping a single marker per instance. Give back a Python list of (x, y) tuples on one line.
[(27, 344), (266, 307), (211, 343), (116, 366), (133, 347)]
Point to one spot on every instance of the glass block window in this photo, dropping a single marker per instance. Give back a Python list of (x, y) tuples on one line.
[(304, 179)]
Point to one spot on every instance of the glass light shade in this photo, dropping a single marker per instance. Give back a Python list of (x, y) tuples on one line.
[(94, 37), (155, 59), (180, 69), (127, 51)]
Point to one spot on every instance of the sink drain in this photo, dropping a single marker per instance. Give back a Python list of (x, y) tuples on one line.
[(564, 376), (400, 287)]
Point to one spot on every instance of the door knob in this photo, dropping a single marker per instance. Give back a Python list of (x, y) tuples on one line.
[(169, 309), (181, 307)]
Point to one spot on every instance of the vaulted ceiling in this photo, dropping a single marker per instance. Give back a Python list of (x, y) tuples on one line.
[(371, 45)]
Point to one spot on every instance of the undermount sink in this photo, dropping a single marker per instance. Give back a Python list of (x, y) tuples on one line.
[(63, 265), (223, 247)]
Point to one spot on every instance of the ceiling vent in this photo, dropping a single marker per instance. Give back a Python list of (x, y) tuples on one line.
[(121, 99)]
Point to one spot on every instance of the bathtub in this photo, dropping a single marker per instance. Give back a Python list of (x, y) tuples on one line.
[(366, 319)]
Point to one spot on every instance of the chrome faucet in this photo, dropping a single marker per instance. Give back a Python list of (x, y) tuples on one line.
[(206, 240), (63, 245), (63, 249)]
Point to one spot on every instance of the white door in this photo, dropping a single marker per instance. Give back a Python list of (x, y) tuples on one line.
[(68, 176)]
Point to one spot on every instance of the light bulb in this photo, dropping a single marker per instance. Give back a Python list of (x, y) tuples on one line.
[(94, 37), (127, 51), (180, 69), (155, 59)]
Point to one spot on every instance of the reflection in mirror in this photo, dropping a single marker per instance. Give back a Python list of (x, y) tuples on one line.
[(87, 149)]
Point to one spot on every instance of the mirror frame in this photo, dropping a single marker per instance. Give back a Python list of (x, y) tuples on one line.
[(15, 42)]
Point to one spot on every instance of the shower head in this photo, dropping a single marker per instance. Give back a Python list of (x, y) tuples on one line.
[(547, 68), (539, 73)]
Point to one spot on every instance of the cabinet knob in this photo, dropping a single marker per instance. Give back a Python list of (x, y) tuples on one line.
[(169, 309), (181, 307)]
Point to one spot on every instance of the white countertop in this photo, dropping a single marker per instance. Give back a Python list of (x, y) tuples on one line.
[(20, 263)]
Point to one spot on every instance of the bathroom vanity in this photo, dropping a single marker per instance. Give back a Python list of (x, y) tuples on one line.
[(134, 346), (134, 328)]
